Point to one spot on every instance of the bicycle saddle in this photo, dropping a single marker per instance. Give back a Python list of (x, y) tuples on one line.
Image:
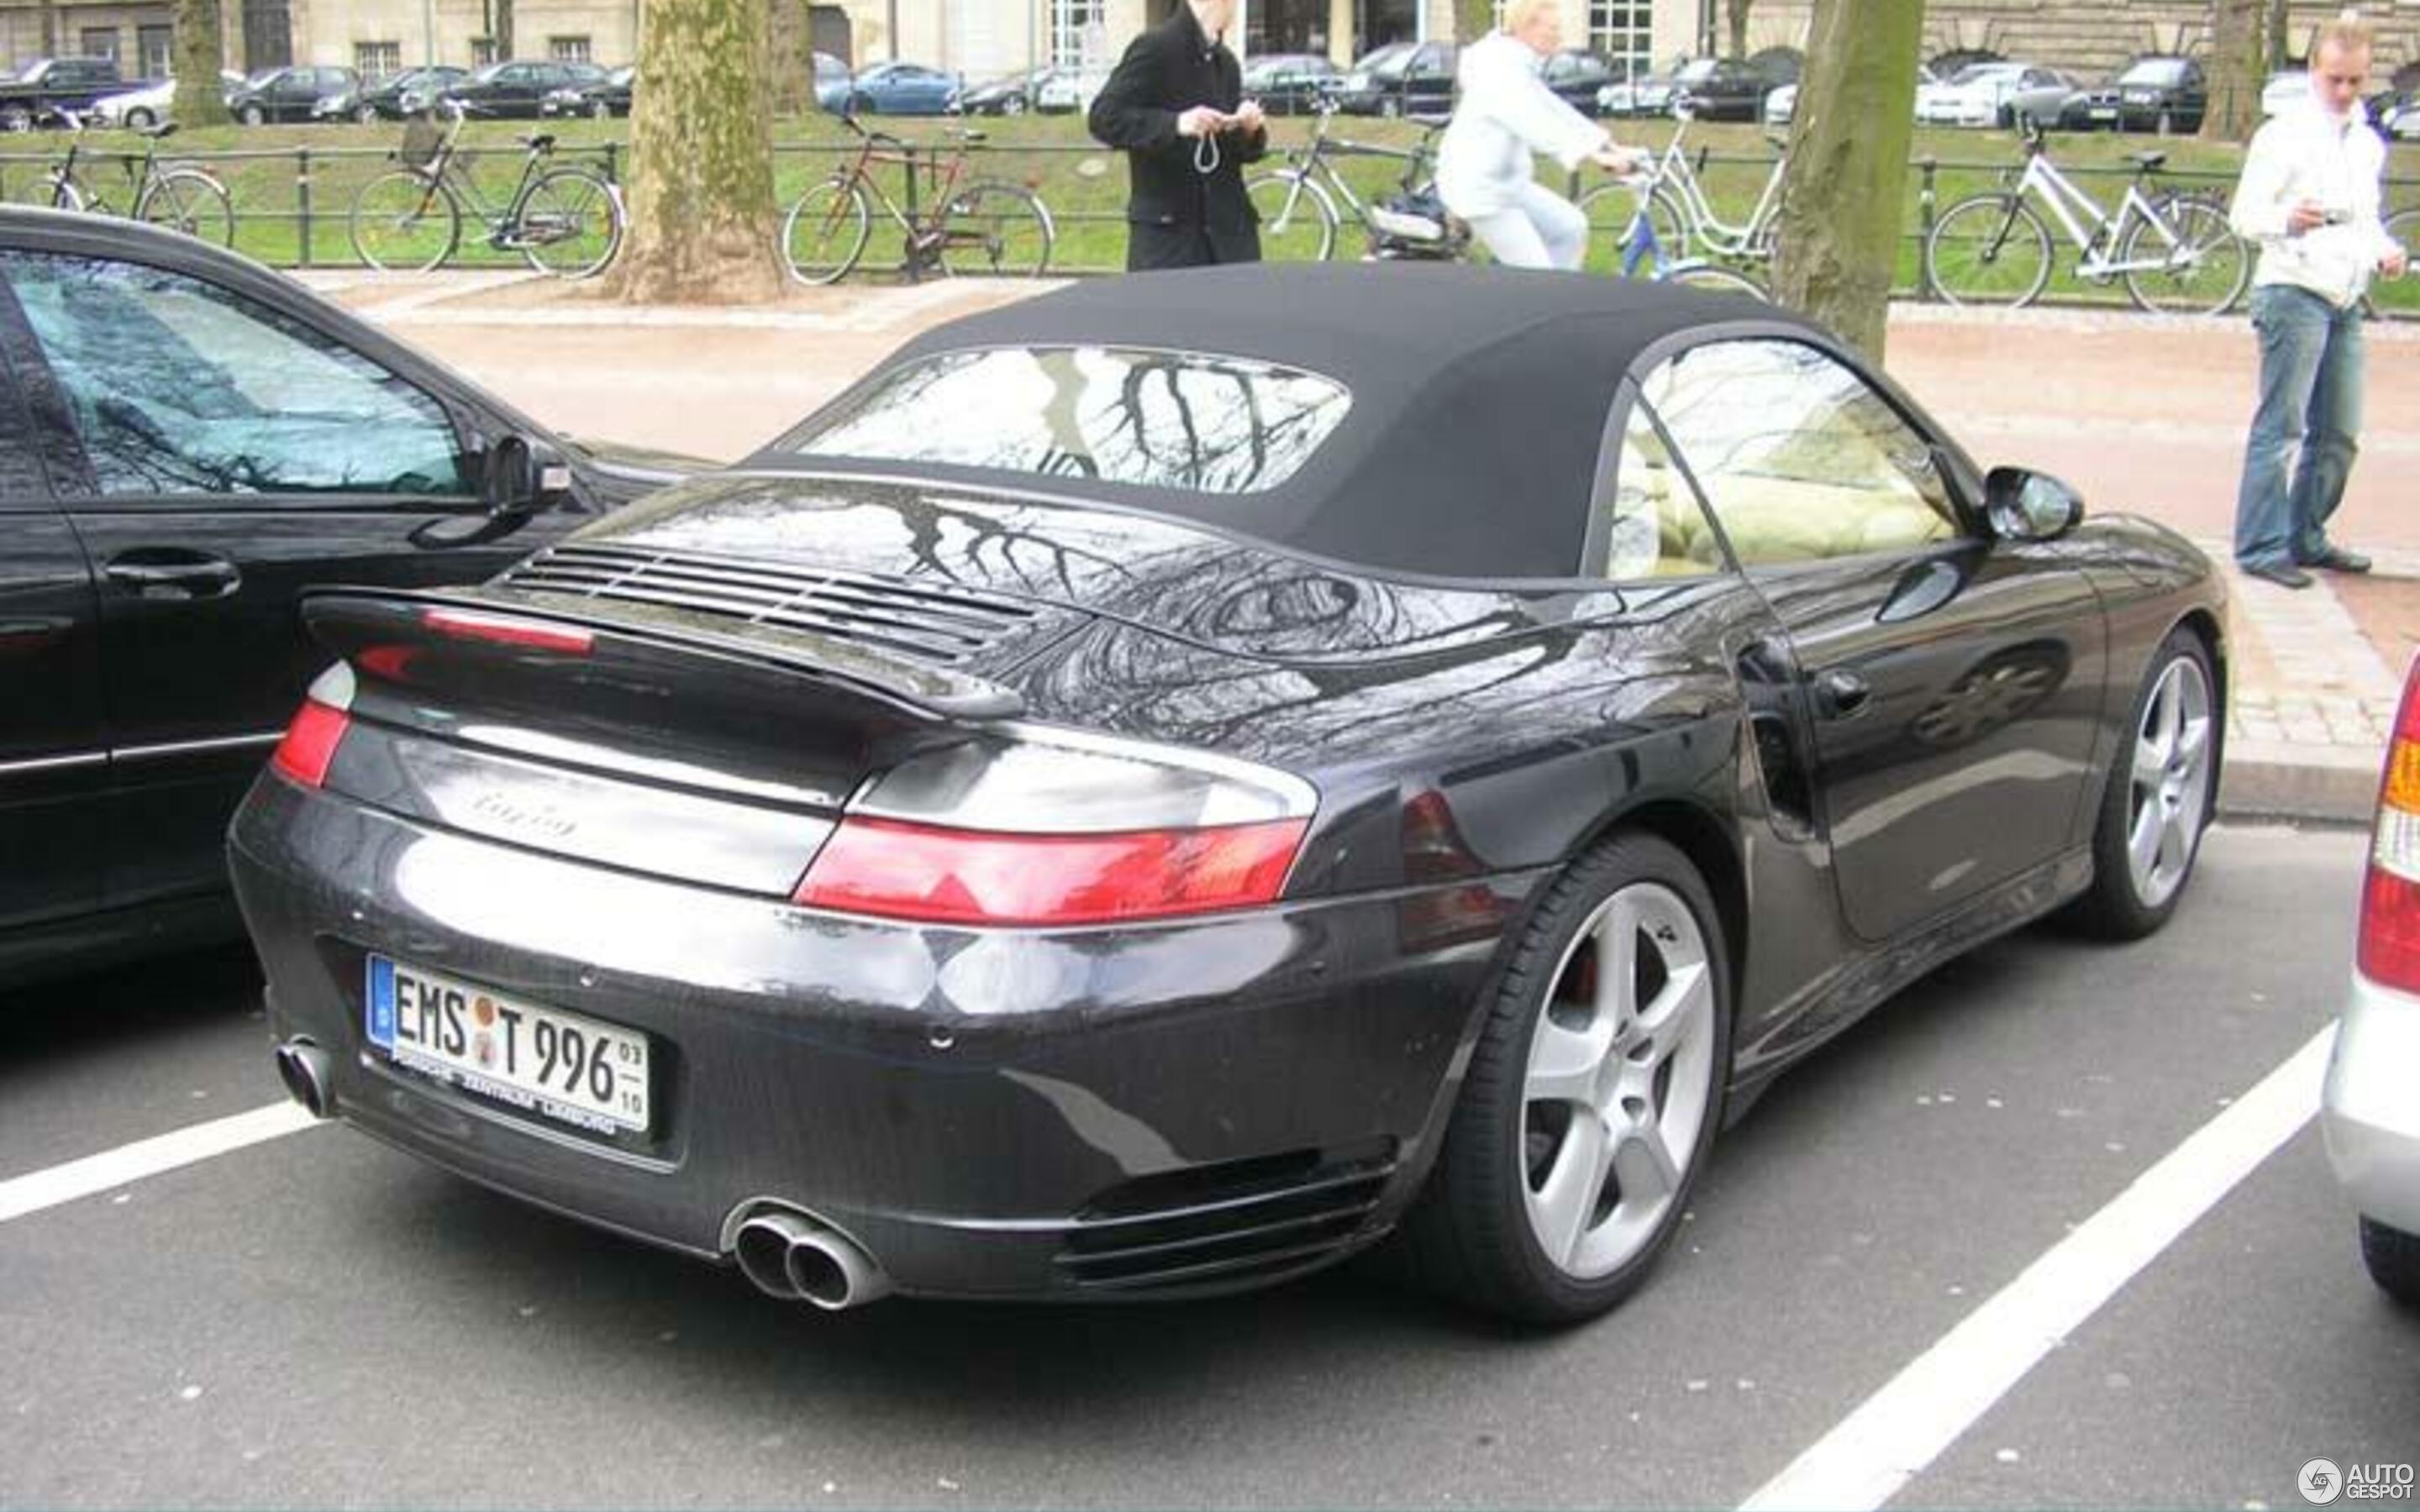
[(543, 141), (155, 133), (2147, 160)]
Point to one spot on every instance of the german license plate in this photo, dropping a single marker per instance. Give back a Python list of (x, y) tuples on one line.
[(2103, 112), (563, 1066)]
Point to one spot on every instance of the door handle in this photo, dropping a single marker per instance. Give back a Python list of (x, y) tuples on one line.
[(1839, 694), (175, 574)]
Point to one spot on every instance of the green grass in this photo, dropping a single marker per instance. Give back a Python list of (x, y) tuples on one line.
[(281, 178)]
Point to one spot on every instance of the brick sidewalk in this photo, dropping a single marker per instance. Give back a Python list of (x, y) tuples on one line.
[(2145, 414)]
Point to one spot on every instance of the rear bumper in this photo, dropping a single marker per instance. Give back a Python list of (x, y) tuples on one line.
[(2367, 1112), (1107, 1113)]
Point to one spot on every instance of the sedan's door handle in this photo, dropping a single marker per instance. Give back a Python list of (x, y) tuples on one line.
[(172, 574), (1839, 694)]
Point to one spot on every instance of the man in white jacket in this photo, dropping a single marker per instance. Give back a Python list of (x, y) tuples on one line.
[(2309, 197), (1505, 114)]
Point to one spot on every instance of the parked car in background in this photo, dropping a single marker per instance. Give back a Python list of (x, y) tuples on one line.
[(516, 89), (1069, 89), (2398, 119), (390, 97), (1950, 62), (1413, 78), (1650, 94), (1575, 75), (292, 94), (151, 104), (898, 89), (1720, 89), (1995, 94), (55, 83), (1290, 83), (2368, 1117), (1011, 94), (1782, 104), (2160, 92), (832, 83), (222, 438), (605, 98)]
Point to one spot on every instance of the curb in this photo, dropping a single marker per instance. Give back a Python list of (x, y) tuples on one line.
[(2274, 780)]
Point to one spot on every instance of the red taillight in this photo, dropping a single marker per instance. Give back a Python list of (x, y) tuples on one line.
[(504, 630), (2390, 896), (941, 875), (310, 743)]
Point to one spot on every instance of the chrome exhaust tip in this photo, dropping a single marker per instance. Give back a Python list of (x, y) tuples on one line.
[(303, 1067), (790, 1256)]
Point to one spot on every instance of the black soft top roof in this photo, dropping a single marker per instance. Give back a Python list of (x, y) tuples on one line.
[(1480, 396)]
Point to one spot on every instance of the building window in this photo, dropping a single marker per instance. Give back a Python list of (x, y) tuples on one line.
[(569, 49), (157, 47), (1623, 32), (483, 52), (1077, 32), (98, 41), (376, 60)]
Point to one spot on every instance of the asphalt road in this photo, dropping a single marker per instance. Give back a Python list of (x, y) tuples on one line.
[(315, 1320)]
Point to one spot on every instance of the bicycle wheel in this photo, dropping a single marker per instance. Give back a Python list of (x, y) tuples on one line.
[(2204, 269), (1991, 249), (191, 201), (825, 232), (405, 223), (1634, 248), (1297, 219), (995, 231), (2391, 297), (1712, 278), (569, 223), (46, 189)]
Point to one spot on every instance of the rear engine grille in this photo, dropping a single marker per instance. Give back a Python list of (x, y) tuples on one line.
[(935, 624), (1225, 1225)]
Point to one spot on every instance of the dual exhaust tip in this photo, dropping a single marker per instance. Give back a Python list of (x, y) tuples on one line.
[(791, 1255), (784, 1252)]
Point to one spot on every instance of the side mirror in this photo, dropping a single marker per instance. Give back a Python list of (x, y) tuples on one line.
[(522, 476), (2024, 505)]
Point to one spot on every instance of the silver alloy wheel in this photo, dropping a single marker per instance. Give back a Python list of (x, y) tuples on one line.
[(1620, 1082), (2168, 786)]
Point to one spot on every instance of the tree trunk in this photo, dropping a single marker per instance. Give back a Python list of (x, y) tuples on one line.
[(701, 182), (793, 92), (1735, 12), (2238, 63), (1842, 196), (1473, 20), (50, 29), (2277, 51), (201, 52), (502, 34)]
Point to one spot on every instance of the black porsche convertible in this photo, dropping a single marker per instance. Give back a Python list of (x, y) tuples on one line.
[(1164, 785)]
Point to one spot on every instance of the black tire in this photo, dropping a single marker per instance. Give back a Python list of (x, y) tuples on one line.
[(16, 118), (1987, 249), (1392, 108), (190, 201), (1472, 1233), (366, 116), (862, 105), (2160, 787), (995, 231), (599, 110), (2391, 1257), (825, 232), (140, 117), (255, 116), (1012, 105)]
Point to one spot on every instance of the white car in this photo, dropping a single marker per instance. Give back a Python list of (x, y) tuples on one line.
[(1648, 95), (1069, 89), (1989, 94), (1781, 105), (146, 106), (2367, 1114)]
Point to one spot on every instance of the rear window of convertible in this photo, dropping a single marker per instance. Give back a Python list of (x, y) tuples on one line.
[(1158, 420)]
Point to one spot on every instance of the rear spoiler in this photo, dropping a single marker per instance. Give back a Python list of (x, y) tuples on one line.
[(345, 620)]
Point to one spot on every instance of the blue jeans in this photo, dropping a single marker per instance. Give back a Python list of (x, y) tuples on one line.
[(2310, 402)]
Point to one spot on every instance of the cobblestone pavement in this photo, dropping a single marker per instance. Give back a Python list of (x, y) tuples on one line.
[(2142, 414)]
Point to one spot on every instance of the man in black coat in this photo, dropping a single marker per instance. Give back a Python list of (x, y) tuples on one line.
[(1174, 103)]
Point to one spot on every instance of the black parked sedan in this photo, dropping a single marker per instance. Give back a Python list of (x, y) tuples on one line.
[(1161, 786), (195, 438), (1291, 84), (600, 100), (519, 89), (1721, 89), (390, 98), (277, 95), (1413, 78)]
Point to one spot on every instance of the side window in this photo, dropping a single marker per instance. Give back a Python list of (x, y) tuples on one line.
[(1655, 528), (180, 387), (1799, 458)]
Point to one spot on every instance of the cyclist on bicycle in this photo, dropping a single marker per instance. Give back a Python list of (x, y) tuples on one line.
[(1505, 114)]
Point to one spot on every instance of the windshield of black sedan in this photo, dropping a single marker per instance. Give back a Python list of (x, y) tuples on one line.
[(1159, 420)]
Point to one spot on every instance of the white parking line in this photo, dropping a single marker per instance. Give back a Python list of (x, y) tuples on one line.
[(113, 1168), (1899, 1430)]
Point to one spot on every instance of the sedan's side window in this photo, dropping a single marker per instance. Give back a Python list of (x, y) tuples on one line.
[(1800, 459), (1654, 527), (181, 387)]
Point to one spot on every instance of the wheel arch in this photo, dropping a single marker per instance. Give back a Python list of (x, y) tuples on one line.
[(1712, 849)]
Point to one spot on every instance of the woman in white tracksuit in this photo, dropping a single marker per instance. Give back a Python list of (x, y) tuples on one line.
[(1505, 114)]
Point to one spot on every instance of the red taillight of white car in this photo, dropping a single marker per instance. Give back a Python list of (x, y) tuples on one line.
[(1052, 828), (2390, 898), (317, 728)]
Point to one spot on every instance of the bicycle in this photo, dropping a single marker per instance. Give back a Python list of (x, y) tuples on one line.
[(1296, 204), (1682, 218), (178, 196), (1641, 251), (2174, 252), (983, 227), (566, 221)]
